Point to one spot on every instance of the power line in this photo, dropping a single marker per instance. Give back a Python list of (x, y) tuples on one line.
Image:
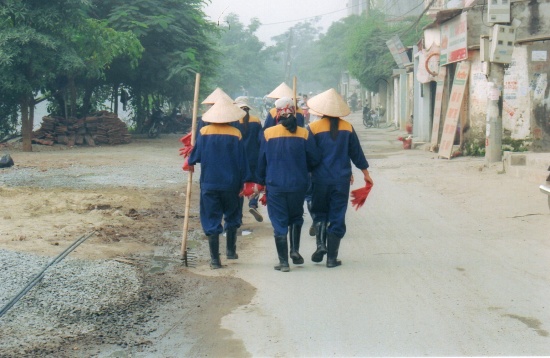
[(313, 17)]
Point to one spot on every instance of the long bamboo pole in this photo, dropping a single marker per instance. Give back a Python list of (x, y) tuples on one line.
[(190, 177), (294, 80)]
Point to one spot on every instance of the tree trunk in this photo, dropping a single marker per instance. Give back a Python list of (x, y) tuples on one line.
[(115, 92), (86, 101), (26, 122), (72, 97)]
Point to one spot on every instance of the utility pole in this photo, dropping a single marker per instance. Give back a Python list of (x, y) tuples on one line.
[(493, 138), (288, 62)]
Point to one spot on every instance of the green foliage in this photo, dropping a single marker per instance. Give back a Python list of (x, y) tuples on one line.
[(515, 145), (475, 148), (246, 66), (367, 52), (330, 57), (177, 43)]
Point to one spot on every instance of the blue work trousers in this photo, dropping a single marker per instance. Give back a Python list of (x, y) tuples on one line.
[(285, 209), (329, 203), (216, 205)]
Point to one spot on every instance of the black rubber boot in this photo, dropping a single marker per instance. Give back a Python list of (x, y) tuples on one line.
[(333, 244), (231, 247), (282, 252), (214, 244), (312, 229), (321, 242), (295, 231)]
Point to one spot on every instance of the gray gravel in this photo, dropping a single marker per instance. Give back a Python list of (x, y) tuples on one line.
[(67, 297), (101, 302), (85, 177)]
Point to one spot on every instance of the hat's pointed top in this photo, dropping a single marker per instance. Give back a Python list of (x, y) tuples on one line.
[(215, 96), (281, 91), (329, 103), (223, 111)]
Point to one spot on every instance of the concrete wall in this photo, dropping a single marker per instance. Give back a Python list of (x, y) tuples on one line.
[(538, 113), (525, 92)]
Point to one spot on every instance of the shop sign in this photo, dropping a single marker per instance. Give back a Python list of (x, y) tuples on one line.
[(454, 40), (454, 109)]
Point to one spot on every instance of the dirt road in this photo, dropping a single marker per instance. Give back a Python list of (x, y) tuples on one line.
[(445, 258)]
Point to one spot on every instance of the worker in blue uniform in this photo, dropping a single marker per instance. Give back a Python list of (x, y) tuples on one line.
[(251, 129), (224, 169), (339, 147), (287, 153), (283, 90)]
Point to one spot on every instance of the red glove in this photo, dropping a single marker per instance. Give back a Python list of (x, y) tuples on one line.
[(359, 196), (259, 188), (248, 189), (186, 167), (185, 151), (263, 199), (186, 139)]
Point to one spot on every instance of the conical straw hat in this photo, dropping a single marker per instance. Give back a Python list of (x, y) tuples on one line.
[(215, 96), (223, 111), (329, 103), (282, 91)]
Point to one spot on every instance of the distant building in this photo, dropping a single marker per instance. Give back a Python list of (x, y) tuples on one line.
[(357, 7)]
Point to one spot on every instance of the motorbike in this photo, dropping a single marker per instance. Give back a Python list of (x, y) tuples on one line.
[(370, 118), (545, 188), (161, 123)]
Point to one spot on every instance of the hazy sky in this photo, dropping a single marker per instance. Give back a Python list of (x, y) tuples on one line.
[(277, 16)]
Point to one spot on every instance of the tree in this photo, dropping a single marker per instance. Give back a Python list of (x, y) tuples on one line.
[(368, 56), (246, 65), (298, 47), (330, 56), (96, 46), (177, 42), (32, 42)]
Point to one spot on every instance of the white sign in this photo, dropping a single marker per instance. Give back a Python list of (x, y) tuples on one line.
[(454, 40), (539, 56)]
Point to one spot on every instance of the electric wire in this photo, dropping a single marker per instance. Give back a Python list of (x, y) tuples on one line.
[(40, 275)]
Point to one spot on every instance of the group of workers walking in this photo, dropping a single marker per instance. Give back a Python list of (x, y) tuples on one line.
[(286, 159)]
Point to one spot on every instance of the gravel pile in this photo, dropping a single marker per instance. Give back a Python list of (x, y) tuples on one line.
[(71, 299)]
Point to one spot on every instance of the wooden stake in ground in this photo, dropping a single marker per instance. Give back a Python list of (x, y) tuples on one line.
[(190, 177)]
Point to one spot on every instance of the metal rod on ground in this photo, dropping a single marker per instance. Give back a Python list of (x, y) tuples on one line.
[(40, 275), (190, 177)]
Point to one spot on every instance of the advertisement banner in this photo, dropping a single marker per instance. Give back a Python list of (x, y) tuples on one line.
[(454, 40), (454, 109), (437, 106), (398, 51)]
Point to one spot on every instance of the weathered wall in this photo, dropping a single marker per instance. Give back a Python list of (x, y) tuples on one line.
[(538, 73), (526, 97), (477, 100), (516, 104)]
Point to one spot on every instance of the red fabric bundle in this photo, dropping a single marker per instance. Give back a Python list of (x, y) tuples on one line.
[(186, 139), (248, 189), (185, 151), (360, 195), (186, 167), (263, 199)]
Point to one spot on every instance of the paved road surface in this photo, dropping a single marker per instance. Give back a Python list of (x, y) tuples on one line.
[(447, 258)]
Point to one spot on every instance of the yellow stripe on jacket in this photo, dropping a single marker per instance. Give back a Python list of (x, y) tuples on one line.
[(279, 131), (252, 119), (323, 125), (221, 128)]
